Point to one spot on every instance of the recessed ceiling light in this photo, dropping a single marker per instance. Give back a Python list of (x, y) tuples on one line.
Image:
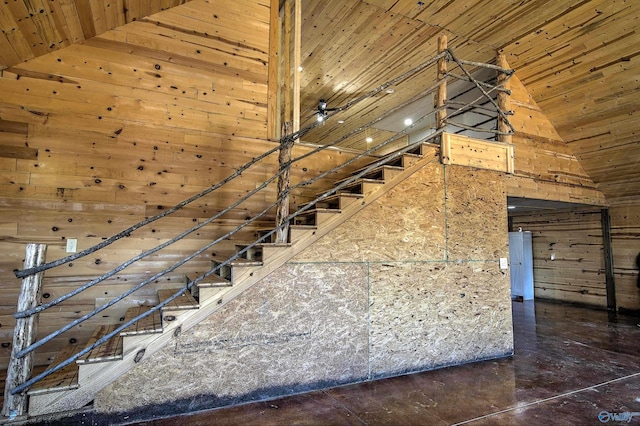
[(340, 121), (390, 90), (299, 68), (408, 122), (369, 139)]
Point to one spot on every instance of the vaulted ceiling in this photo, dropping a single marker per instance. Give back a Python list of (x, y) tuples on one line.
[(578, 58)]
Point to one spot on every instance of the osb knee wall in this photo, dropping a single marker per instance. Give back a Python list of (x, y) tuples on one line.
[(410, 283)]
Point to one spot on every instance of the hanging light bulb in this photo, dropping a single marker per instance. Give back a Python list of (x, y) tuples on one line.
[(369, 139)]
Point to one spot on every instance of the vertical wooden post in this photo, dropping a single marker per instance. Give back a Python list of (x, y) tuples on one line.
[(286, 87), (503, 100), (297, 42), (272, 91), (286, 146), (605, 220), (440, 98), (26, 330), (282, 212)]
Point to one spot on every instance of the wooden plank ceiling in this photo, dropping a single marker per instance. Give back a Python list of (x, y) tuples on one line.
[(31, 28), (578, 58)]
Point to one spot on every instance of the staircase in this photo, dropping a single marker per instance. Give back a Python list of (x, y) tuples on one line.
[(77, 384)]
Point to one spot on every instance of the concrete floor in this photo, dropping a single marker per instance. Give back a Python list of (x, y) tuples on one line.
[(571, 366)]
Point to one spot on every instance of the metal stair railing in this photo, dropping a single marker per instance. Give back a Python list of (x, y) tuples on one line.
[(486, 94)]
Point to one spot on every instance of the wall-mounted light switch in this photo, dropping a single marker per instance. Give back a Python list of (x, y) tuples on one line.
[(72, 245)]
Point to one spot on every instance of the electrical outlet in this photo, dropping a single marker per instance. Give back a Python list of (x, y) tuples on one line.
[(72, 245)]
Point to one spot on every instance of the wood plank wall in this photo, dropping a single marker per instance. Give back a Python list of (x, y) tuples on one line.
[(100, 135), (625, 235), (574, 237), (545, 167)]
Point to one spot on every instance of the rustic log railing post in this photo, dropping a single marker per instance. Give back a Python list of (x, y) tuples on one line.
[(26, 330), (440, 97), (284, 159), (503, 101), (297, 63)]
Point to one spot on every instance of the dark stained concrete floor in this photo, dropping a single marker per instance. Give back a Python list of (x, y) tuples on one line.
[(571, 365)]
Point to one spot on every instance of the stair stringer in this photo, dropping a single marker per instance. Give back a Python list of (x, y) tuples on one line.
[(137, 348)]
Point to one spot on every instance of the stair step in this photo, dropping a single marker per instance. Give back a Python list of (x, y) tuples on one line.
[(252, 253), (150, 324), (311, 217), (183, 302), (301, 232), (379, 173), (361, 186), (263, 231), (257, 252), (235, 268), (208, 286), (337, 201), (111, 350), (405, 160), (274, 245), (212, 281), (237, 262), (63, 379)]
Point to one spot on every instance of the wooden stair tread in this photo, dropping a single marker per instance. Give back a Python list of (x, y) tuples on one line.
[(183, 302), (362, 180), (263, 245), (400, 160), (237, 262), (212, 280), (304, 227), (335, 200), (63, 379), (346, 194), (274, 245), (375, 170), (147, 325), (360, 183), (314, 211), (381, 167), (111, 350), (342, 194)]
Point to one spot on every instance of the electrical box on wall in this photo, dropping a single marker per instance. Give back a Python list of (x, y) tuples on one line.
[(504, 263), (72, 245)]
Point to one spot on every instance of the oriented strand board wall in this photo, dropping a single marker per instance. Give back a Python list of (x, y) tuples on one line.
[(575, 239), (410, 283), (100, 135), (625, 236)]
